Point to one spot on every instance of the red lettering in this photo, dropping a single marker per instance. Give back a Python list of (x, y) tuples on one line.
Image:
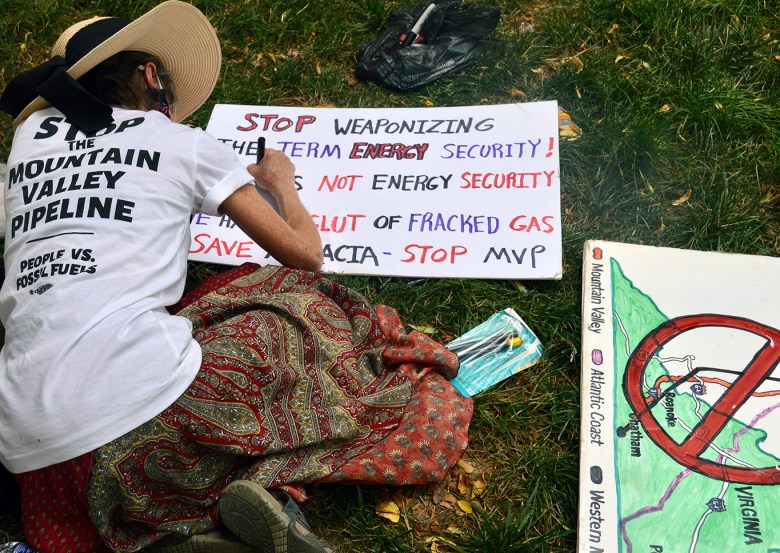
[(252, 123), (337, 223), (339, 182), (304, 120), (533, 224), (244, 249), (506, 180), (282, 124), (206, 244), (275, 123), (422, 253), (357, 150), (394, 150)]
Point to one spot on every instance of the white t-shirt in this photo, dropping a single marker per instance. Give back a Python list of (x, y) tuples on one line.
[(97, 236)]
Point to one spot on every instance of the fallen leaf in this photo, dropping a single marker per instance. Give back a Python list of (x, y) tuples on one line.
[(613, 28), (464, 484), (318, 68), (389, 510), (517, 93), (664, 108), (465, 467), (424, 329), (465, 506), (618, 58), (682, 199), (429, 104), (434, 541), (770, 198), (479, 487), (449, 501)]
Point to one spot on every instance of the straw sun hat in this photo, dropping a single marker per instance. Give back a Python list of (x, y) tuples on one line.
[(176, 33)]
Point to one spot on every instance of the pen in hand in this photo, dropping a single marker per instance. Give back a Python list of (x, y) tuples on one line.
[(260, 149)]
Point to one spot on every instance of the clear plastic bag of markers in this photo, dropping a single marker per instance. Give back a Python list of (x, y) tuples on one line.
[(450, 37)]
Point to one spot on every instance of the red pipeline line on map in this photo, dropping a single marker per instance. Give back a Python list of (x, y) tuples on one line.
[(733, 398), (688, 453)]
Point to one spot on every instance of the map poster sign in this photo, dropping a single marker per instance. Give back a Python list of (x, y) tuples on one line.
[(421, 192), (680, 425)]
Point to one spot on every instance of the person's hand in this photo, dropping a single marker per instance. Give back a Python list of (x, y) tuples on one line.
[(285, 231), (275, 173)]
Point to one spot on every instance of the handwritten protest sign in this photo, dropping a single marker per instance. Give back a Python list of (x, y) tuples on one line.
[(426, 192)]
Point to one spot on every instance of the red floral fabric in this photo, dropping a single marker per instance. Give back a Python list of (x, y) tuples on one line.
[(302, 381)]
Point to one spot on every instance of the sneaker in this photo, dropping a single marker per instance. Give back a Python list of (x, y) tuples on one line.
[(216, 541), (260, 521)]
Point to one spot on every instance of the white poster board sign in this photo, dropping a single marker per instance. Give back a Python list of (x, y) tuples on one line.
[(420, 192), (680, 442)]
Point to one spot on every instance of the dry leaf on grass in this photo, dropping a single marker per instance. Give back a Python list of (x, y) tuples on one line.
[(465, 466), (449, 501), (436, 543), (465, 506), (479, 487), (464, 484), (682, 199), (389, 510), (424, 329)]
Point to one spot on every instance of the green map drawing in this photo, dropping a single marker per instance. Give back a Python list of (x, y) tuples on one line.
[(663, 505)]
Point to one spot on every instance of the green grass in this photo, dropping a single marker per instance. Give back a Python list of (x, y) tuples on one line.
[(678, 100)]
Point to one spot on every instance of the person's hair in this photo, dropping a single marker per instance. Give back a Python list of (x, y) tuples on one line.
[(116, 82)]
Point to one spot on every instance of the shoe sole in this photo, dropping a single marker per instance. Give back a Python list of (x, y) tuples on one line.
[(211, 542), (255, 516)]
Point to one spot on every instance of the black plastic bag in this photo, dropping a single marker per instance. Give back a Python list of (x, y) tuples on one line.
[(450, 38)]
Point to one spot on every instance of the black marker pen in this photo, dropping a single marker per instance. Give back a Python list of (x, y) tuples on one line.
[(260, 149)]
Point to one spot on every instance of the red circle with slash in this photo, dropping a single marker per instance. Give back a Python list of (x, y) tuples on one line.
[(689, 452)]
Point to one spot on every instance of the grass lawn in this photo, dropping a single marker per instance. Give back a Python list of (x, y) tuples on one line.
[(679, 103)]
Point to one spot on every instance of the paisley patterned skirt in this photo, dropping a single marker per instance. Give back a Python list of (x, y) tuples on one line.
[(302, 381)]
